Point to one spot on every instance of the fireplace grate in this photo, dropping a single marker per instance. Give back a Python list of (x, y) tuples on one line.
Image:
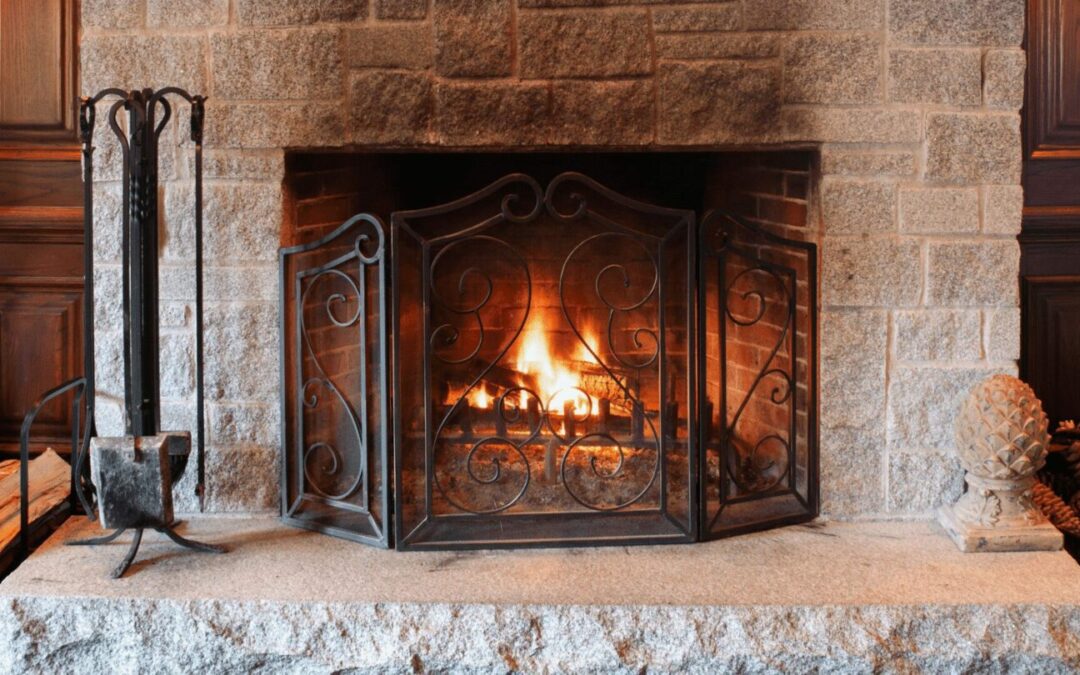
[(559, 365)]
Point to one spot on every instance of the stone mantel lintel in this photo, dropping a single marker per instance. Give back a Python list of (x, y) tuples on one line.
[(856, 596)]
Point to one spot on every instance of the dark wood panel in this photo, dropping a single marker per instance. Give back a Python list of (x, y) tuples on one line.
[(1050, 241), (1050, 233), (40, 183), (1052, 182), (1053, 100), (37, 70), (38, 350), (1051, 358)]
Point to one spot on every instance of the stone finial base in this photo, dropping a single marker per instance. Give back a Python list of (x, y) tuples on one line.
[(971, 538)]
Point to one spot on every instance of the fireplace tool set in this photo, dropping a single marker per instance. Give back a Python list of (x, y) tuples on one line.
[(130, 479)]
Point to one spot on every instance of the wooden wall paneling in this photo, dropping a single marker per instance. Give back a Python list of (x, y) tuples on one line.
[(39, 327), (1051, 354), (38, 50), (41, 230), (1050, 236)]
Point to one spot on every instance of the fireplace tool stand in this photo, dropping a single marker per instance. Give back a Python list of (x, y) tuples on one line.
[(131, 477)]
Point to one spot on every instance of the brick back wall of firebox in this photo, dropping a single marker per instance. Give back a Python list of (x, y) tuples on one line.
[(913, 104)]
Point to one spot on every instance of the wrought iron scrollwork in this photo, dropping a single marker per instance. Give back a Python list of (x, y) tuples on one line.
[(459, 337), (761, 288), (332, 308), (752, 467)]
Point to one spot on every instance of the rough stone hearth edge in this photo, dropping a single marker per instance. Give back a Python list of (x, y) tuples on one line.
[(212, 636)]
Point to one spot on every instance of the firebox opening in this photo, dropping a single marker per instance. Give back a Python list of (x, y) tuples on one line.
[(576, 354), (773, 188)]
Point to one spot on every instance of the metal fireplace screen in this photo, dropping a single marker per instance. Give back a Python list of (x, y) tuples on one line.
[(569, 367)]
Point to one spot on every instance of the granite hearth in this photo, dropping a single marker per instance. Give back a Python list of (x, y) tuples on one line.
[(856, 597)]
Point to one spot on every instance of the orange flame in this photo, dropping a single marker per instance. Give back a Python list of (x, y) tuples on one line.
[(557, 384), (479, 398)]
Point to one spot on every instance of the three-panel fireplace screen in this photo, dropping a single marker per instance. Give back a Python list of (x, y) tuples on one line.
[(548, 364)]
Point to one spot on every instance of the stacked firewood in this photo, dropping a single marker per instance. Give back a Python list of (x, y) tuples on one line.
[(1057, 491), (50, 484)]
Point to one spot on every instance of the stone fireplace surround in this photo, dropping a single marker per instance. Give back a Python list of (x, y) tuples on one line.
[(912, 109), (912, 103)]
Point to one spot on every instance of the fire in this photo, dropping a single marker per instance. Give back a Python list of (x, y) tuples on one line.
[(479, 398), (557, 384)]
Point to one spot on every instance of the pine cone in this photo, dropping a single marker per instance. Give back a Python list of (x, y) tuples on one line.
[(1071, 458), (1057, 480), (1053, 507)]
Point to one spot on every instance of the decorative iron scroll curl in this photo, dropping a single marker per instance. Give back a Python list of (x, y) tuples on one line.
[(462, 294), (461, 291), (627, 286), (759, 297), (335, 467)]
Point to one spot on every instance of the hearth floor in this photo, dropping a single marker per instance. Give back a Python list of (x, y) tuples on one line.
[(854, 596)]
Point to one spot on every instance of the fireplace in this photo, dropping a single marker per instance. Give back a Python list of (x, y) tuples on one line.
[(589, 350)]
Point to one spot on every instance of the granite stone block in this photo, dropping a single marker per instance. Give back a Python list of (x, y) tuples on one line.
[(725, 16), (843, 161), (853, 350), (172, 14), (1003, 209), (134, 62), (704, 46), (828, 68), (852, 125), (491, 114), (241, 341), (939, 210), (973, 22), (852, 473), (602, 113), (242, 478), (243, 164), (110, 14), (691, 112), (290, 12), (973, 148), (390, 46), (282, 64), (858, 206), (177, 365), (233, 423), (924, 401), (815, 15), (919, 482), (1003, 334), (584, 44), (276, 125), (874, 271), (937, 335), (108, 221), (241, 222), (1003, 78), (942, 76), (982, 273), (389, 107), (401, 9), (837, 597), (473, 38)]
